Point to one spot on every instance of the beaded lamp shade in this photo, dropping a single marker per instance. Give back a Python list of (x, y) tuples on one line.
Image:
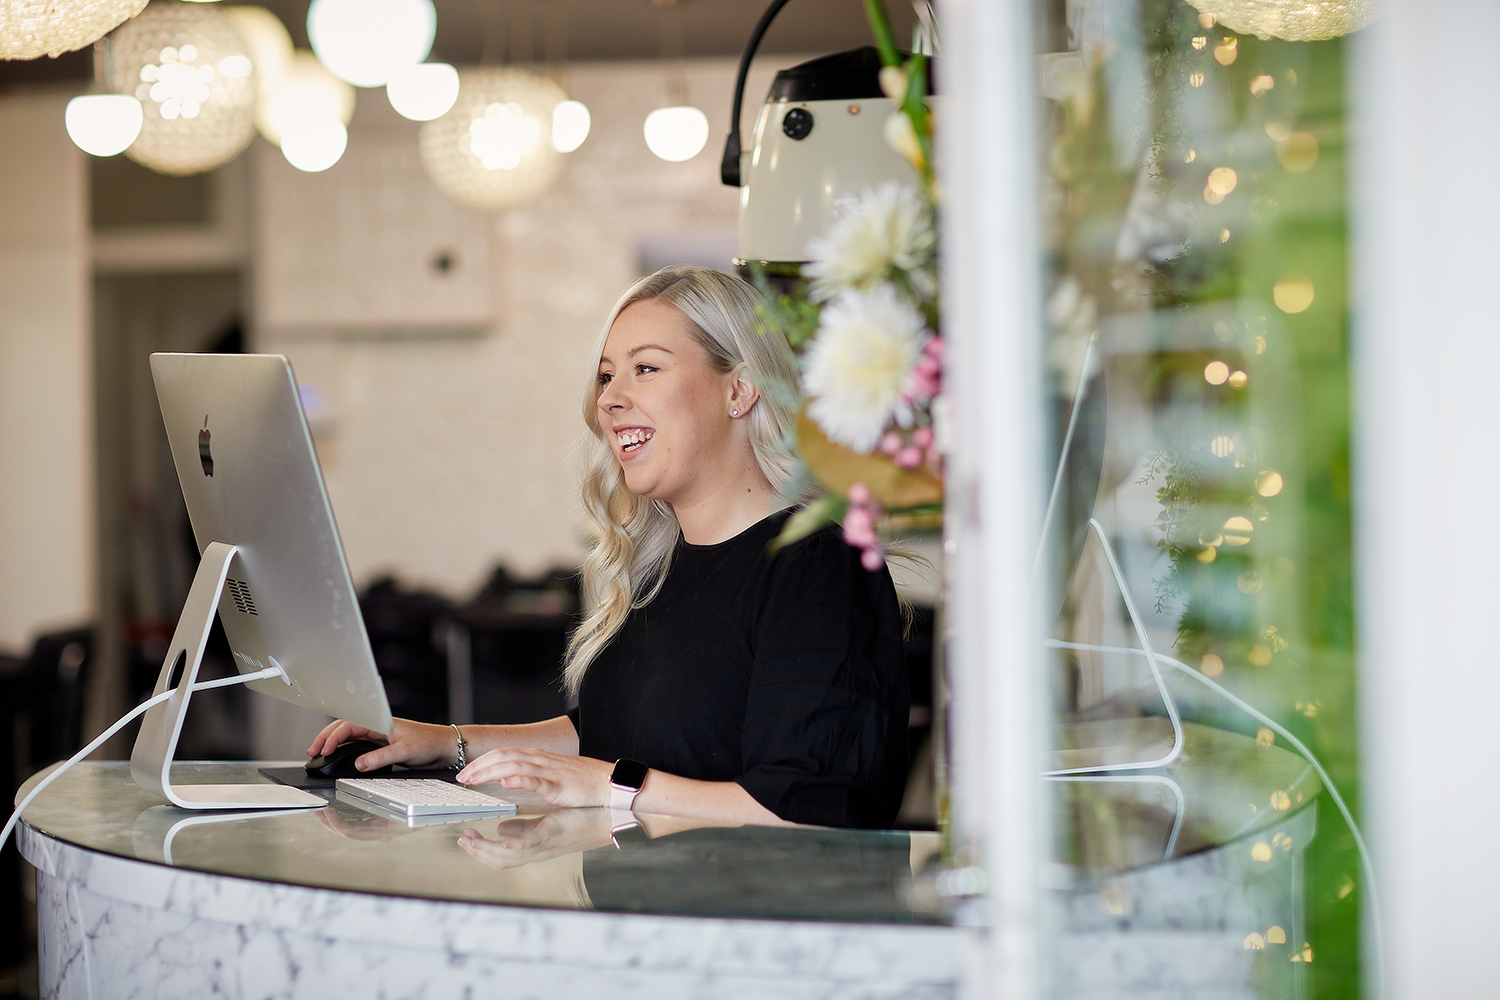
[(190, 67), (493, 150), (32, 28), (1291, 20)]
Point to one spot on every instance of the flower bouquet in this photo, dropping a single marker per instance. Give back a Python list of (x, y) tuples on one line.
[(871, 428)]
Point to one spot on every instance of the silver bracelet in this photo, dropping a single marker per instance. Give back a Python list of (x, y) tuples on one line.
[(463, 747)]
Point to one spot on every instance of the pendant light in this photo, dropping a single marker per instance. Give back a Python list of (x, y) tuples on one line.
[(367, 42), (103, 124), (1290, 20), (190, 67), (32, 28), (493, 149), (678, 131)]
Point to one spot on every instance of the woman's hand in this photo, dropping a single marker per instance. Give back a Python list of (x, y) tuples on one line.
[(561, 779), (415, 744), (524, 841)]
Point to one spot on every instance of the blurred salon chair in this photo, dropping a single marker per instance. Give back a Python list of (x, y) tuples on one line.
[(505, 649), (408, 630)]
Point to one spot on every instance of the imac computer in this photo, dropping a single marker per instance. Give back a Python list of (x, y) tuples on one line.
[(272, 566)]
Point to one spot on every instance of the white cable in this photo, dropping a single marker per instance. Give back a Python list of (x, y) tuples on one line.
[(1153, 779), (1284, 733), (1151, 656), (1062, 458), (99, 741)]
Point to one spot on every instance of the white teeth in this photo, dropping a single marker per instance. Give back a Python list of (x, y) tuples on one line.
[(632, 439)]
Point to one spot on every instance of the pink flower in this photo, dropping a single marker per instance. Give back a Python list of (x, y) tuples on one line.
[(922, 437), (872, 559), (891, 442), (909, 457), (859, 528), (859, 494)]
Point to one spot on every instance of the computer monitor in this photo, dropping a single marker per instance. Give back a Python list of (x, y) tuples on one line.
[(272, 566)]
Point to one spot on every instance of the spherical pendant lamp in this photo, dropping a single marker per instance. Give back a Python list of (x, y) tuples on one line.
[(31, 28), (271, 51), (1291, 20), (306, 95), (367, 42), (493, 150), (191, 69)]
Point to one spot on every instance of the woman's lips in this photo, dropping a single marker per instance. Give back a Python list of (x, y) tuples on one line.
[(632, 440)]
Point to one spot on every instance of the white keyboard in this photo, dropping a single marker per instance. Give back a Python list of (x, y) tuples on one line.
[(424, 797)]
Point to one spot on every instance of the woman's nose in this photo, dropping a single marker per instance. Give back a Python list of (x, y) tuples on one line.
[(611, 397)]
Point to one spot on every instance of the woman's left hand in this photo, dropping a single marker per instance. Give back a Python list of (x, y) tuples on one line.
[(561, 779), (527, 840)]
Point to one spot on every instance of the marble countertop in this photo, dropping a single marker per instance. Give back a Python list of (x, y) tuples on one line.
[(1223, 788), (562, 859)]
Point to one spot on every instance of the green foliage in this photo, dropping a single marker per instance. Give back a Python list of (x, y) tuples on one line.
[(1278, 609)]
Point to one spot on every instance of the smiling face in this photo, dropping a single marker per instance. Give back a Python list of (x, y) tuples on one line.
[(664, 407)]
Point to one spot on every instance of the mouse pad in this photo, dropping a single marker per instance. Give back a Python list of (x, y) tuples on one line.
[(298, 777)]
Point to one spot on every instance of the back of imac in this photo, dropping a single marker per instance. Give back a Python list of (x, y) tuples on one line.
[(250, 477)]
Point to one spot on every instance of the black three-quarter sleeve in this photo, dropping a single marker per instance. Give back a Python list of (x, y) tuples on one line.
[(824, 733)]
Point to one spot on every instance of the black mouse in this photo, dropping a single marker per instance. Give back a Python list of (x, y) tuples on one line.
[(339, 763)]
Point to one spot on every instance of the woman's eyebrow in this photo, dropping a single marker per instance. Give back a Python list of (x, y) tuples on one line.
[(648, 347)]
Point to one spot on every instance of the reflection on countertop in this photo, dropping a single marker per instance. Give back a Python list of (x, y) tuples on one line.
[(1225, 788), (562, 859)]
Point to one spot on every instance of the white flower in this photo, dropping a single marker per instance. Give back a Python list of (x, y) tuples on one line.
[(888, 227), (860, 364)]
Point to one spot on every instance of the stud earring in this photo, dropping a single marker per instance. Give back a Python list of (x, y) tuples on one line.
[(734, 413)]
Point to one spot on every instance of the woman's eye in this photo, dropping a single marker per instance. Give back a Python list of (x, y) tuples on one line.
[(645, 369), (604, 378)]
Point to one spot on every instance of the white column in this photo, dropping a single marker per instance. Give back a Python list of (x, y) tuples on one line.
[(991, 264), (1426, 347), (47, 550)]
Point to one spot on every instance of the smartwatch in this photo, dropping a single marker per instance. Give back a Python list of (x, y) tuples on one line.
[(628, 832), (625, 783)]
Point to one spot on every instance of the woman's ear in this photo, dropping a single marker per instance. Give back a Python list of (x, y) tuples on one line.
[(742, 395)]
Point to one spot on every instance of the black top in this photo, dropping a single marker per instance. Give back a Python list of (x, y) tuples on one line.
[(782, 673)]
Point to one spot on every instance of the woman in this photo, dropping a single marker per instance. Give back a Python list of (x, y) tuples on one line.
[(728, 684)]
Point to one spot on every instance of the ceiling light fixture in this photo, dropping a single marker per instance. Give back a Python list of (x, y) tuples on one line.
[(103, 124), (316, 145), (308, 96), (33, 28), (271, 51), (570, 126), (424, 91), (492, 150), (677, 133), (1291, 20), (367, 42), (190, 68)]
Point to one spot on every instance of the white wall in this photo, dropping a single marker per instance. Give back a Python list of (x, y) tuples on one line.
[(446, 456), (1426, 347), (47, 551)]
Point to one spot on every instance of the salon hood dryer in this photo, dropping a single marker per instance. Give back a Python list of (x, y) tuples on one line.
[(819, 138)]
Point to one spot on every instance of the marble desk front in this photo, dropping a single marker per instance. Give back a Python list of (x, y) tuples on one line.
[(1156, 884), (138, 899)]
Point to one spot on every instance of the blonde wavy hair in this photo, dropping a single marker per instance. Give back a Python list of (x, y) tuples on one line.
[(635, 536)]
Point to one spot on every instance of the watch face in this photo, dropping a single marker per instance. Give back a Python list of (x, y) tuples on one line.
[(629, 773)]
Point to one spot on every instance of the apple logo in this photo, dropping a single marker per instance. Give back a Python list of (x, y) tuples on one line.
[(204, 455)]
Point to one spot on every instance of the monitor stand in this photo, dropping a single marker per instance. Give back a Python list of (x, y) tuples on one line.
[(151, 759)]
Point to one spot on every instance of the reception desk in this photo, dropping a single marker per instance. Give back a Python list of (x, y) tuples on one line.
[(1155, 885)]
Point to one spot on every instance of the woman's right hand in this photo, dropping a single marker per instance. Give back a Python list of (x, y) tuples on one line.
[(415, 744)]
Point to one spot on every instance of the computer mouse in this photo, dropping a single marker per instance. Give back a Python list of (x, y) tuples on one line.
[(339, 763)]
